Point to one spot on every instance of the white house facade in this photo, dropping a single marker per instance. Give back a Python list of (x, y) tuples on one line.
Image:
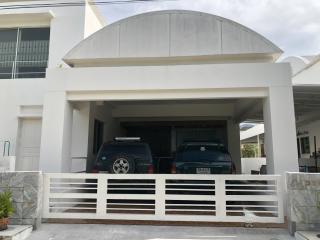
[(167, 75)]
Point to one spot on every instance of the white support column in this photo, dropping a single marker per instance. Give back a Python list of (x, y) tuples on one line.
[(56, 138), (80, 136), (234, 144), (160, 197), (102, 190), (220, 190), (280, 131)]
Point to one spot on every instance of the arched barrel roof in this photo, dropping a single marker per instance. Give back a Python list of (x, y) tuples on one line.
[(170, 34)]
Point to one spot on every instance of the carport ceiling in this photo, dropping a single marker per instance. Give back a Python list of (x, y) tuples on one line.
[(157, 102), (239, 109)]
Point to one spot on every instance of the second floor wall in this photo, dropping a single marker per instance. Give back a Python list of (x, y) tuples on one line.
[(32, 39)]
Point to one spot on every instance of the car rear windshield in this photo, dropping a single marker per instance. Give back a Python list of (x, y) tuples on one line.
[(134, 149), (198, 153)]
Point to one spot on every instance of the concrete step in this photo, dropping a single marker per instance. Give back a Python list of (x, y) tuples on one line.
[(307, 235), (16, 232)]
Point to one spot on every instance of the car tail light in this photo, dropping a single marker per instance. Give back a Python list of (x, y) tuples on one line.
[(233, 169), (150, 169), (94, 170), (173, 168)]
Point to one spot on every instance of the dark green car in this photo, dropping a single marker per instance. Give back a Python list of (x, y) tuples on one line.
[(202, 158), (124, 155)]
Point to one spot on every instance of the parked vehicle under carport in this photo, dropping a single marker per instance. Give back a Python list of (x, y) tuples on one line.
[(202, 158), (124, 156)]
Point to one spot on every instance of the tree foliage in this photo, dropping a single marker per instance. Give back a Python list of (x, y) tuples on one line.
[(248, 150)]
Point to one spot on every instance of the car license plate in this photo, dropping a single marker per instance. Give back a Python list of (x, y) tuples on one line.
[(203, 171)]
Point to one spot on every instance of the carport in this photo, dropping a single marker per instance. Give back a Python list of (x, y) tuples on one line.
[(181, 75), (166, 124), (146, 76)]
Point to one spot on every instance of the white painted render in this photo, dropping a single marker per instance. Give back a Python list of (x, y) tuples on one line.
[(251, 132), (248, 164), (309, 75), (67, 29), (134, 83), (297, 63), (178, 56)]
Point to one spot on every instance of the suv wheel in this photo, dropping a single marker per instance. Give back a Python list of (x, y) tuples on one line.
[(122, 165)]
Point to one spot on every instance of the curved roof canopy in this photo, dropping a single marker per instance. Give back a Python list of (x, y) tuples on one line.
[(170, 36)]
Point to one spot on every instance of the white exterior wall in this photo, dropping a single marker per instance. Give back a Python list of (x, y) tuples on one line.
[(248, 164), (13, 94), (67, 27), (280, 131), (310, 76), (63, 86), (60, 113), (218, 81), (93, 22)]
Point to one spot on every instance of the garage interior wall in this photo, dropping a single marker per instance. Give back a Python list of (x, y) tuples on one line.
[(112, 128), (172, 130)]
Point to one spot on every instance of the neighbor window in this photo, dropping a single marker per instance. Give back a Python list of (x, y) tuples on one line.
[(24, 52), (305, 145)]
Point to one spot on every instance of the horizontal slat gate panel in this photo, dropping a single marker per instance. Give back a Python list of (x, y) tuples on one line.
[(162, 197)]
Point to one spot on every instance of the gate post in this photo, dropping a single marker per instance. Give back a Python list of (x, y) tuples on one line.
[(45, 199), (160, 197), (102, 195), (220, 193)]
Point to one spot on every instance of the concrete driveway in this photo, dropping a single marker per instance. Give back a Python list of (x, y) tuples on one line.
[(134, 232)]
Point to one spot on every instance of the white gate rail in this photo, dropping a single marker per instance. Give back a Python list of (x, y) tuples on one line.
[(211, 198)]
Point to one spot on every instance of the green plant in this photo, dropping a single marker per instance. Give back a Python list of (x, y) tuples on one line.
[(248, 150), (6, 206)]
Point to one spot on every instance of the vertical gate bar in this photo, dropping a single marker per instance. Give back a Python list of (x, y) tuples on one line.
[(280, 198), (220, 188), (160, 197), (102, 185), (46, 195)]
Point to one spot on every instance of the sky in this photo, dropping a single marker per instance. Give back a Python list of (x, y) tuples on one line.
[(293, 25)]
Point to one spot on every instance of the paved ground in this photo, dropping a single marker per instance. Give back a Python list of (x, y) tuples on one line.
[(132, 232)]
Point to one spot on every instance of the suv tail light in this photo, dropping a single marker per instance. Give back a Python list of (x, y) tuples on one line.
[(233, 167), (94, 170), (173, 168), (150, 169)]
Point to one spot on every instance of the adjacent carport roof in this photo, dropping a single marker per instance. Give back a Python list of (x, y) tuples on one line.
[(307, 102), (165, 35)]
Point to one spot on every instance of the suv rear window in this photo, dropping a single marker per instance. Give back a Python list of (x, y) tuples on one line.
[(134, 149), (198, 153)]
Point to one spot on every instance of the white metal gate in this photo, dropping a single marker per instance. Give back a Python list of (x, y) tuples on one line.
[(210, 198)]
